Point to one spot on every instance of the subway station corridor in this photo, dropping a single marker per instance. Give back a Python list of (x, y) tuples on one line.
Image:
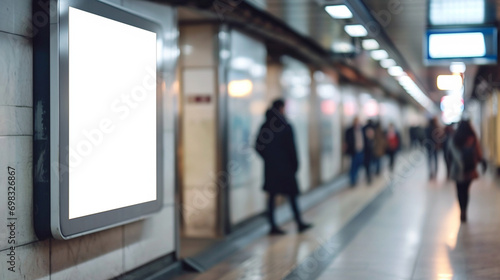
[(401, 227), (249, 139)]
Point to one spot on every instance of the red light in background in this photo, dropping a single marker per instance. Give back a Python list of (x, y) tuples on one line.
[(328, 107)]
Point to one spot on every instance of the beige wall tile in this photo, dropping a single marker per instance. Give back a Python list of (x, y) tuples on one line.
[(17, 152), (32, 262), (16, 68), (96, 256), (149, 239), (15, 16)]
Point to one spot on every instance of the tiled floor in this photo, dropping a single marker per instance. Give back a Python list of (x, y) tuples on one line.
[(415, 234)]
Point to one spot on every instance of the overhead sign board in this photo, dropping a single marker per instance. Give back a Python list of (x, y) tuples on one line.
[(471, 45)]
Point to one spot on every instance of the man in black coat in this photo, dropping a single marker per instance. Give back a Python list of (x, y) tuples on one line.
[(276, 145), (355, 147), (369, 138)]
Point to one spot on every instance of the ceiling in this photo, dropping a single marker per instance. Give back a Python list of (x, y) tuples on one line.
[(407, 30), (403, 28)]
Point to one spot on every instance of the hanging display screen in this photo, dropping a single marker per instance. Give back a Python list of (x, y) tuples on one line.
[(468, 45)]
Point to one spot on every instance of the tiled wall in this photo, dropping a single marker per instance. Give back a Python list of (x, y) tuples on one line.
[(97, 256), (198, 70)]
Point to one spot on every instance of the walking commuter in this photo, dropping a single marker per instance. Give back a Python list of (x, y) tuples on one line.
[(379, 146), (354, 141), (465, 154), (393, 144), (433, 136), (448, 136), (413, 136), (275, 144), (369, 139)]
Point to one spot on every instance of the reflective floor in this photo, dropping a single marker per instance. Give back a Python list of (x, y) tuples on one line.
[(403, 226)]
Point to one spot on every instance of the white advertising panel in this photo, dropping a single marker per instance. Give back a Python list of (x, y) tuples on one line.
[(112, 114)]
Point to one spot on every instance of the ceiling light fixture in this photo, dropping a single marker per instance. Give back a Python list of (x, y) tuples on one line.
[(388, 62), (396, 71), (343, 47), (370, 44), (416, 93), (379, 54), (339, 11), (356, 30)]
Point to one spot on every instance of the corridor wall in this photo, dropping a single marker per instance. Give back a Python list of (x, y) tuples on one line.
[(102, 255)]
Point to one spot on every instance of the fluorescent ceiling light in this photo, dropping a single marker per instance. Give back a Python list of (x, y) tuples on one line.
[(456, 12), (343, 47), (449, 82), (339, 11), (379, 54), (355, 30), (395, 71), (388, 62), (370, 44), (416, 93), (450, 45)]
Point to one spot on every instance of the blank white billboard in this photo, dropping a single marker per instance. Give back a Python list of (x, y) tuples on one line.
[(112, 114)]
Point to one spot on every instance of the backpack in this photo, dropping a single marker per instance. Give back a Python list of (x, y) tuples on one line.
[(469, 158), (393, 142)]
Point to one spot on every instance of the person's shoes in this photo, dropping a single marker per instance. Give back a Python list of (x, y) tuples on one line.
[(304, 227), (277, 231), (463, 217)]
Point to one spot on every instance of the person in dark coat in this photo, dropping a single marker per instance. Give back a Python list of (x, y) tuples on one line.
[(275, 144), (354, 141), (448, 136), (369, 139), (433, 135), (465, 153)]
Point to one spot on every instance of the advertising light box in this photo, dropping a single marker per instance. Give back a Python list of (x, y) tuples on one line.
[(105, 120)]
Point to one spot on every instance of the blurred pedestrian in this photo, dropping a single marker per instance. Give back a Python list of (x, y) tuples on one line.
[(369, 139), (432, 135), (448, 137), (354, 141), (275, 144), (465, 154), (413, 136), (379, 146), (393, 144)]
